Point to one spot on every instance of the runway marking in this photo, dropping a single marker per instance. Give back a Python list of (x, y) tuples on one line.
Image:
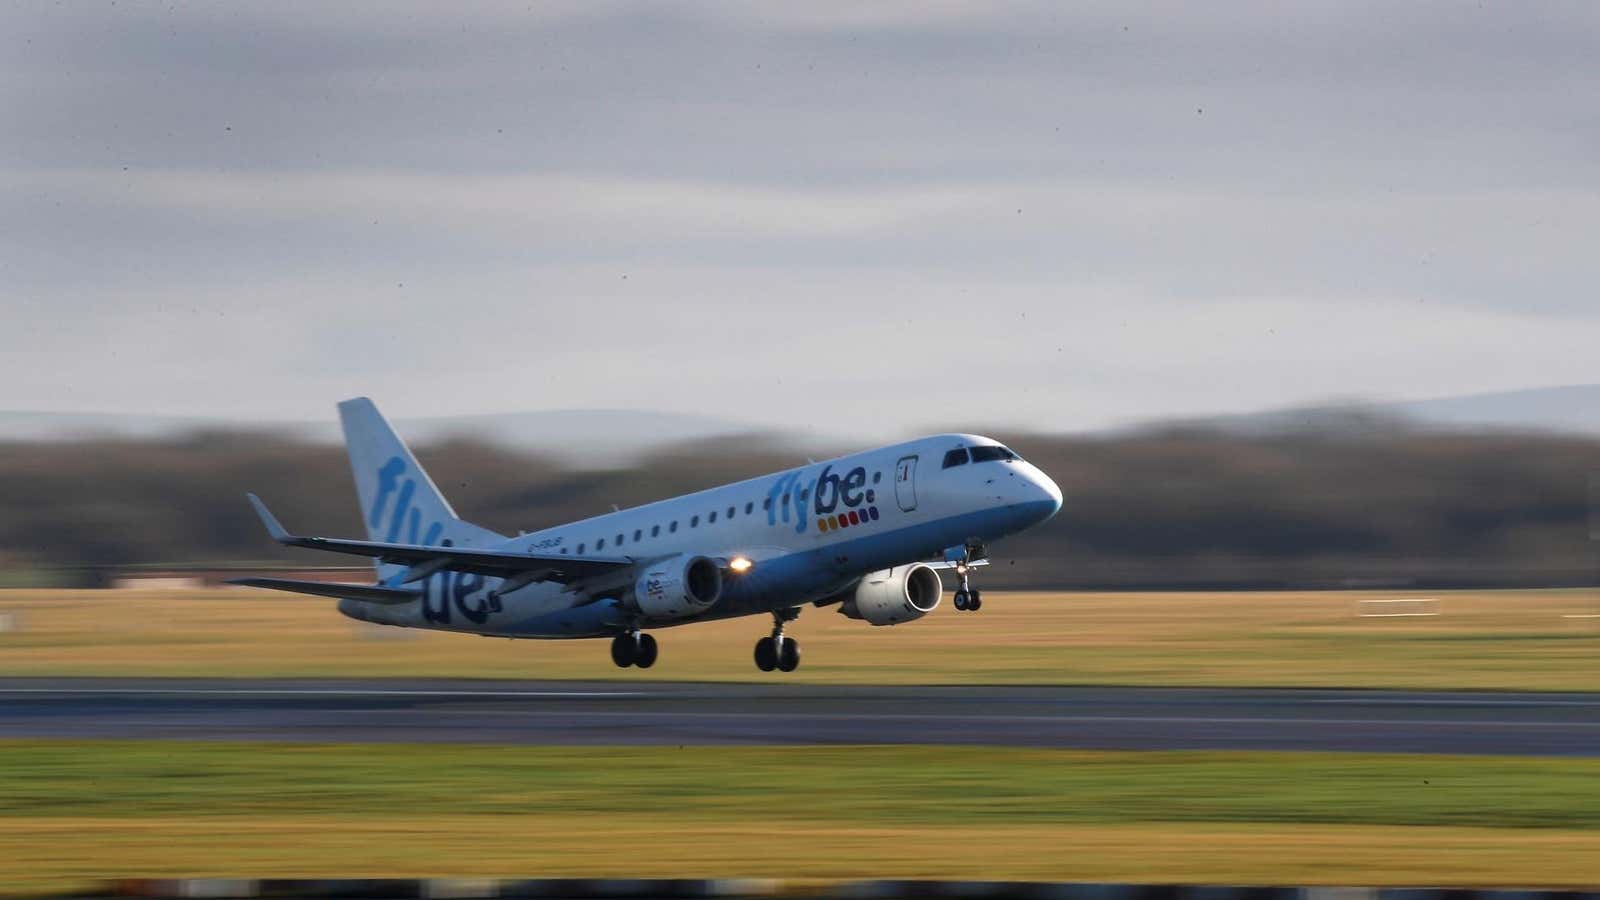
[(935, 717), (1401, 701)]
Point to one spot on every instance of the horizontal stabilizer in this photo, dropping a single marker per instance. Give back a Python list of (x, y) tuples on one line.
[(274, 527), (370, 593)]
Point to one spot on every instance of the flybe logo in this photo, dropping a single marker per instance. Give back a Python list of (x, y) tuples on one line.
[(444, 592), (833, 500), (850, 492), (403, 513)]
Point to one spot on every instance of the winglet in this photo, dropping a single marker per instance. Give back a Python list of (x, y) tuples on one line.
[(274, 527)]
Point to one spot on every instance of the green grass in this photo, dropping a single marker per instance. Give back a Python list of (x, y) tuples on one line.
[(76, 812), (873, 785)]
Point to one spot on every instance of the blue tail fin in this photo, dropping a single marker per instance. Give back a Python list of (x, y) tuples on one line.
[(399, 502)]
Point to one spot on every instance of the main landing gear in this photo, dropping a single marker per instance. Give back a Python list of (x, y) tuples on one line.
[(779, 652), (633, 648)]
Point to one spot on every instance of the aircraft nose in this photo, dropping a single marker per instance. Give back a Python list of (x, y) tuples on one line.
[(1034, 497), (1049, 494)]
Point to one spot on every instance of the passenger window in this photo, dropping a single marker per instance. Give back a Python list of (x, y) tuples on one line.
[(655, 530), (600, 545), (619, 540), (694, 521), (580, 549), (638, 534), (732, 510), (749, 507), (957, 457), (877, 477), (712, 517), (563, 551), (767, 503), (673, 528)]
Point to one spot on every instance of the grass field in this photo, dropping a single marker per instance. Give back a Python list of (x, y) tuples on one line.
[(74, 812), (1482, 639)]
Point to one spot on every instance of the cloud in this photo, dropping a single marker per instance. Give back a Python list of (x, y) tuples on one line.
[(504, 205), (822, 210)]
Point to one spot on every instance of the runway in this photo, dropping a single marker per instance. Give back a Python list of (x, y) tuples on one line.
[(671, 713)]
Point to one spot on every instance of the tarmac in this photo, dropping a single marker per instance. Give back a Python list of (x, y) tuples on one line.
[(674, 713)]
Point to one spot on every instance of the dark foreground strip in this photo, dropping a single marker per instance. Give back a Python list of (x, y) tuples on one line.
[(730, 889)]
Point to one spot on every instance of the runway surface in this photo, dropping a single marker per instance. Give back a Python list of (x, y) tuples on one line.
[(524, 712)]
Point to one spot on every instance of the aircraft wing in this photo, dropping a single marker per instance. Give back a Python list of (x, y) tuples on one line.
[(425, 559)]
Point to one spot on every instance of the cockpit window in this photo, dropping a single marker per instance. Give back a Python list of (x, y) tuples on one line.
[(990, 454), (956, 457)]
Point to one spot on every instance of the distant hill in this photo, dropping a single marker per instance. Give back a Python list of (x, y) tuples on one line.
[(600, 438), (1574, 407), (29, 425), (1566, 408), (582, 436), (589, 438)]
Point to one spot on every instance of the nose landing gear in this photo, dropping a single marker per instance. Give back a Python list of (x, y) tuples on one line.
[(967, 598), (778, 651), (633, 648)]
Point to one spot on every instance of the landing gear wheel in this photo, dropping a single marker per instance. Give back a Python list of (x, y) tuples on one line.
[(789, 655), (766, 654), (644, 654), (777, 651), (967, 596), (624, 650)]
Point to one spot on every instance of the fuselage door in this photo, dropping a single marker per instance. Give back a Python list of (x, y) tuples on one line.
[(905, 483)]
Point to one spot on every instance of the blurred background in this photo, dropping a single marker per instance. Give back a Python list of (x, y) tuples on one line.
[(1294, 301), (1339, 497)]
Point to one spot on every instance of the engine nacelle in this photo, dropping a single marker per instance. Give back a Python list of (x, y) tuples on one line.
[(894, 595), (677, 587)]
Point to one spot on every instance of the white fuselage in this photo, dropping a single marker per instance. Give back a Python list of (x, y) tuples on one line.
[(809, 532)]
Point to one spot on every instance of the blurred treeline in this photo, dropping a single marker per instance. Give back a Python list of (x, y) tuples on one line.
[(1182, 507)]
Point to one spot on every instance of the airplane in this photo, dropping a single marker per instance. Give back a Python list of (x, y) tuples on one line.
[(867, 533)]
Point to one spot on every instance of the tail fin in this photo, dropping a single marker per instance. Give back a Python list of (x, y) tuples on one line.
[(399, 502)]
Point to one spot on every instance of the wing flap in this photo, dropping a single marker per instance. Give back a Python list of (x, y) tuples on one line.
[(948, 564), (427, 558), (370, 593)]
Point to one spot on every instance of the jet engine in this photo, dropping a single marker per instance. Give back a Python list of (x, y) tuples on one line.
[(894, 595), (677, 587)]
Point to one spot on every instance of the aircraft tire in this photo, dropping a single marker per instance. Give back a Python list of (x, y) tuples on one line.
[(645, 653), (960, 601), (789, 655), (623, 650), (975, 600), (766, 654)]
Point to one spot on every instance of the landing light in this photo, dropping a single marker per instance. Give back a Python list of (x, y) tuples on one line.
[(740, 564)]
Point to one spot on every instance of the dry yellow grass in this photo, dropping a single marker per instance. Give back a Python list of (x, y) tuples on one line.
[(62, 852), (1483, 639)]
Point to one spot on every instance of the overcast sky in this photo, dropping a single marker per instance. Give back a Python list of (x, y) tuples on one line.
[(858, 217)]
